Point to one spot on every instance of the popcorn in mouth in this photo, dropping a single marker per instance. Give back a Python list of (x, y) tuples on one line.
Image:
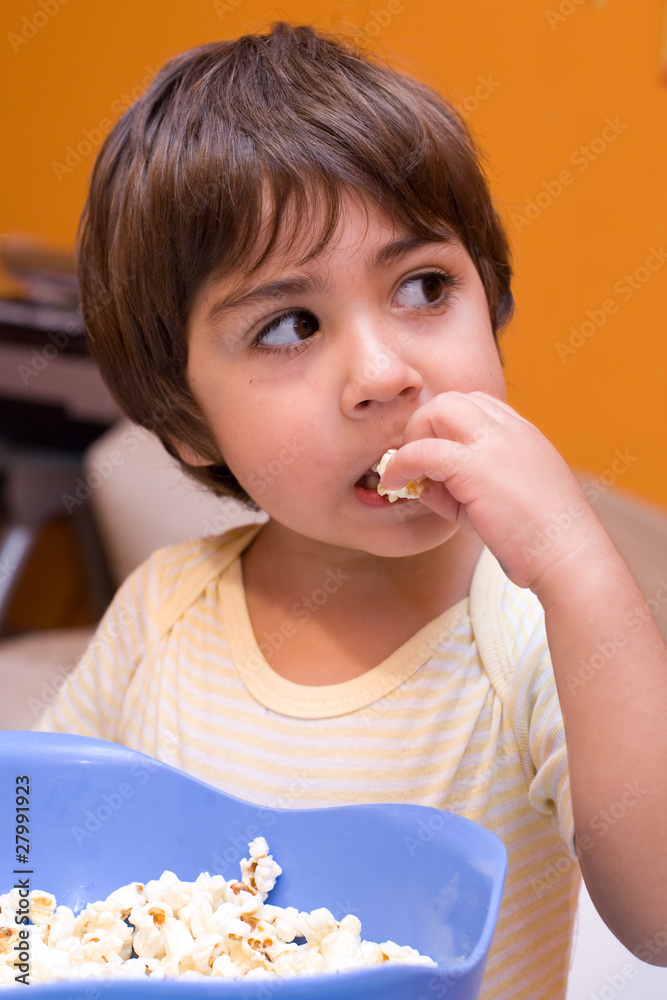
[(411, 491)]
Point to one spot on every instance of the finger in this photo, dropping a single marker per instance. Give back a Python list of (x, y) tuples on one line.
[(437, 459), (437, 497), (458, 416), (493, 404)]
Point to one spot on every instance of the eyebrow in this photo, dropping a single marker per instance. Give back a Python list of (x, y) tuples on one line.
[(407, 245), (265, 293), (309, 283)]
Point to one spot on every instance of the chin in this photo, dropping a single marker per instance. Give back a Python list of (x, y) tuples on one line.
[(410, 538)]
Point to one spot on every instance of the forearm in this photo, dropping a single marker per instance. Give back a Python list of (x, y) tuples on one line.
[(493, 471), (610, 664)]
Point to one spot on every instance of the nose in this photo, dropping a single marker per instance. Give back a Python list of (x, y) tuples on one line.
[(378, 372)]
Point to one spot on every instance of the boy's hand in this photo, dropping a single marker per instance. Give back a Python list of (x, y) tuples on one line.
[(491, 469)]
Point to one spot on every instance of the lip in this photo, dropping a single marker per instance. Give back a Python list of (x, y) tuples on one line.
[(371, 498)]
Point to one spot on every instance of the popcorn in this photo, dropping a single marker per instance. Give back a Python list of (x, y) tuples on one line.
[(8, 938), (166, 928), (412, 489), (42, 905)]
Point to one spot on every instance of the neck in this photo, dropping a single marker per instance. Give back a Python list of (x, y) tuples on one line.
[(283, 566)]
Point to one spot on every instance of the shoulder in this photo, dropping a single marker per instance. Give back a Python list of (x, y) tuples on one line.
[(173, 577), (508, 625)]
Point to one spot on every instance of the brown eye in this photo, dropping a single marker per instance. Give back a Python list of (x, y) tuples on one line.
[(423, 290), (290, 328), (431, 287)]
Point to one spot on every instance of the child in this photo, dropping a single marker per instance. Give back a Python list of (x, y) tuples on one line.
[(290, 254)]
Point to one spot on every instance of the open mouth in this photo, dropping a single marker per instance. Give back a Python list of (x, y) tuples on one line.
[(369, 481)]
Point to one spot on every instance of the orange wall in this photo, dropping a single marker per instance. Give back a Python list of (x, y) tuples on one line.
[(540, 82)]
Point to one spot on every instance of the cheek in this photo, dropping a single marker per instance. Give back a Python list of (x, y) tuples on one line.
[(268, 444)]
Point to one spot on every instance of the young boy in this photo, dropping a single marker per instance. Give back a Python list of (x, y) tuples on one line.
[(290, 254)]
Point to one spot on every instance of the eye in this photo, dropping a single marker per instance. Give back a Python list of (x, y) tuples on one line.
[(290, 328), (424, 290)]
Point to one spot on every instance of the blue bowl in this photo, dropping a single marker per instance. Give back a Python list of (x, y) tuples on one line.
[(102, 816)]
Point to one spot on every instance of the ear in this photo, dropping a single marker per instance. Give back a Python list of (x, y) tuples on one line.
[(187, 453)]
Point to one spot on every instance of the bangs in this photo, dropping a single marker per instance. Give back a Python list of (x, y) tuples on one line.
[(250, 144)]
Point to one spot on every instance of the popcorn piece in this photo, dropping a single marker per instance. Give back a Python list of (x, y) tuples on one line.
[(412, 489), (344, 941), (9, 904), (8, 938), (224, 967), (209, 927), (315, 926), (261, 871), (59, 927), (121, 901), (179, 947), (42, 906), (109, 938), (393, 952)]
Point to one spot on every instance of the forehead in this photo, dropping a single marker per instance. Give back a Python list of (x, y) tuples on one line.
[(291, 243)]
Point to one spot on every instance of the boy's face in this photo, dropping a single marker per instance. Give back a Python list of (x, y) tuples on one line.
[(308, 373)]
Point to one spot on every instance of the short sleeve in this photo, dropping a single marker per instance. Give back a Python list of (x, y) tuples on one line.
[(90, 701), (534, 708)]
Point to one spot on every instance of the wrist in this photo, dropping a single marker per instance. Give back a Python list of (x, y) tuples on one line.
[(581, 566)]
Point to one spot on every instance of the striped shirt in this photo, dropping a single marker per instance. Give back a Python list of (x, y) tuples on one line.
[(463, 716)]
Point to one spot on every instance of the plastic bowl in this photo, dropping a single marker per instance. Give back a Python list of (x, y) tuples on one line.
[(102, 816)]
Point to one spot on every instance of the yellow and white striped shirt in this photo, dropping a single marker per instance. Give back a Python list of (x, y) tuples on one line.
[(463, 716)]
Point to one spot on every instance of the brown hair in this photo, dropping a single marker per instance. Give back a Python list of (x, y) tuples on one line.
[(287, 120)]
